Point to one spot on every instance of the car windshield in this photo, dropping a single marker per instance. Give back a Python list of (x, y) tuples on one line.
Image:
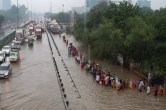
[(16, 43), (4, 68), (12, 53), (5, 48)]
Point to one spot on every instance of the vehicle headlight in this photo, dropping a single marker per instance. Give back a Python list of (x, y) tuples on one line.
[(6, 73)]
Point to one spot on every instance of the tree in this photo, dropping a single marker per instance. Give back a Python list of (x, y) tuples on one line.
[(96, 14), (61, 17), (47, 15), (1, 20), (139, 42)]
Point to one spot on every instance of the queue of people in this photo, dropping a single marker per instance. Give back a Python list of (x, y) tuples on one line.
[(108, 79)]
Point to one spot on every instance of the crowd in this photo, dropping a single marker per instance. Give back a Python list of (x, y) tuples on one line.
[(108, 79)]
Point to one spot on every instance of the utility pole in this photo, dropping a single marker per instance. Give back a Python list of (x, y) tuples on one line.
[(85, 17), (63, 8), (17, 14), (27, 9), (85, 29), (31, 9), (50, 7)]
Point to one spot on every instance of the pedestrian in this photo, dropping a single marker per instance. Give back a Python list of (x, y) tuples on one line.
[(67, 42), (155, 91), (97, 78), (106, 80), (110, 79), (165, 84), (149, 77), (81, 56), (148, 90), (161, 90), (124, 84)]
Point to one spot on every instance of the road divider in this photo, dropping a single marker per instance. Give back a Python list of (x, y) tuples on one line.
[(5, 40)]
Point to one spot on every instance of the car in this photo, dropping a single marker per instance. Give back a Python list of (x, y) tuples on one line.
[(6, 49), (5, 70), (2, 56)]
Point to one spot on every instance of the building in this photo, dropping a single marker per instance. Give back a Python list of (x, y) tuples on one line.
[(5, 4), (144, 3), (1, 5)]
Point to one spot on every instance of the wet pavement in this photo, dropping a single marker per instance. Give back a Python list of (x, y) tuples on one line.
[(34, 85), (99, 97)]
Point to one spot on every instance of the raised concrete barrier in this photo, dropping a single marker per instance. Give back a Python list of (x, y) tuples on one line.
[(5, 40), (8, 38)]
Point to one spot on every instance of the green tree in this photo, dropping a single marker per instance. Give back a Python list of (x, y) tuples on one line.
[(62, 17), (1, 20), (47, 15), (139, 42), (96, 14)]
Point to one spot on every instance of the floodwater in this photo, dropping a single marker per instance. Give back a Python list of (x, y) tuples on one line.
[(34, 85)]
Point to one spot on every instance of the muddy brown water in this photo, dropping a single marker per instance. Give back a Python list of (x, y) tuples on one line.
[(34, 86), (99, 97)]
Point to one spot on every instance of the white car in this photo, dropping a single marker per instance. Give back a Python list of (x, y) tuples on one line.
[(2, 56), (6, 49)]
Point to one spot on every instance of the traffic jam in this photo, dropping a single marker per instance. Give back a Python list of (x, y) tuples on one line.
[(11, 53)]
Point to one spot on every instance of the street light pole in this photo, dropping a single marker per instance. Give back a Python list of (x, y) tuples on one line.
[(85, 29), (85, 16), (17, 14)]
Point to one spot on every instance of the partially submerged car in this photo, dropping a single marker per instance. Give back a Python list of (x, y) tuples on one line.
[(5, 70), (2, 56), (6, 49)]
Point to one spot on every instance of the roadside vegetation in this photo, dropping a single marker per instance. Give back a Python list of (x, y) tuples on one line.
[(138, 34), (10, 15)]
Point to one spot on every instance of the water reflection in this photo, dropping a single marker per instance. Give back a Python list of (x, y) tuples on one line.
[(6, 88)]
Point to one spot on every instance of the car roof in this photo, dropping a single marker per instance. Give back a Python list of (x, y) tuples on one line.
[(5, 64), (6, 46), (1, 52)]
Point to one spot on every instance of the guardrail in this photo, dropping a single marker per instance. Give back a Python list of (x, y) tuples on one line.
[(7, 39), (26, 24)]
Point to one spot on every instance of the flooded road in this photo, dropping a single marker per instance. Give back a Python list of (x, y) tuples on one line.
[(34, 85), (99, 97)]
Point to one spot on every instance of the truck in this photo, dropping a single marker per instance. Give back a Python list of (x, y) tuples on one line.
[(20, 35), (38, 31), (14, 54), (31, 29)]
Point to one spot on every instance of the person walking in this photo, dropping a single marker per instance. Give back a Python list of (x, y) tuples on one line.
[(165, 84), (148, 90)]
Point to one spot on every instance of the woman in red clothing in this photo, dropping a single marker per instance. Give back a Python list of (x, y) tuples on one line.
[(102, 79), (155, 91), (161, 90)]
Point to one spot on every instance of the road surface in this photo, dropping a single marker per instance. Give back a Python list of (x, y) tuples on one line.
[(34, 85)]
